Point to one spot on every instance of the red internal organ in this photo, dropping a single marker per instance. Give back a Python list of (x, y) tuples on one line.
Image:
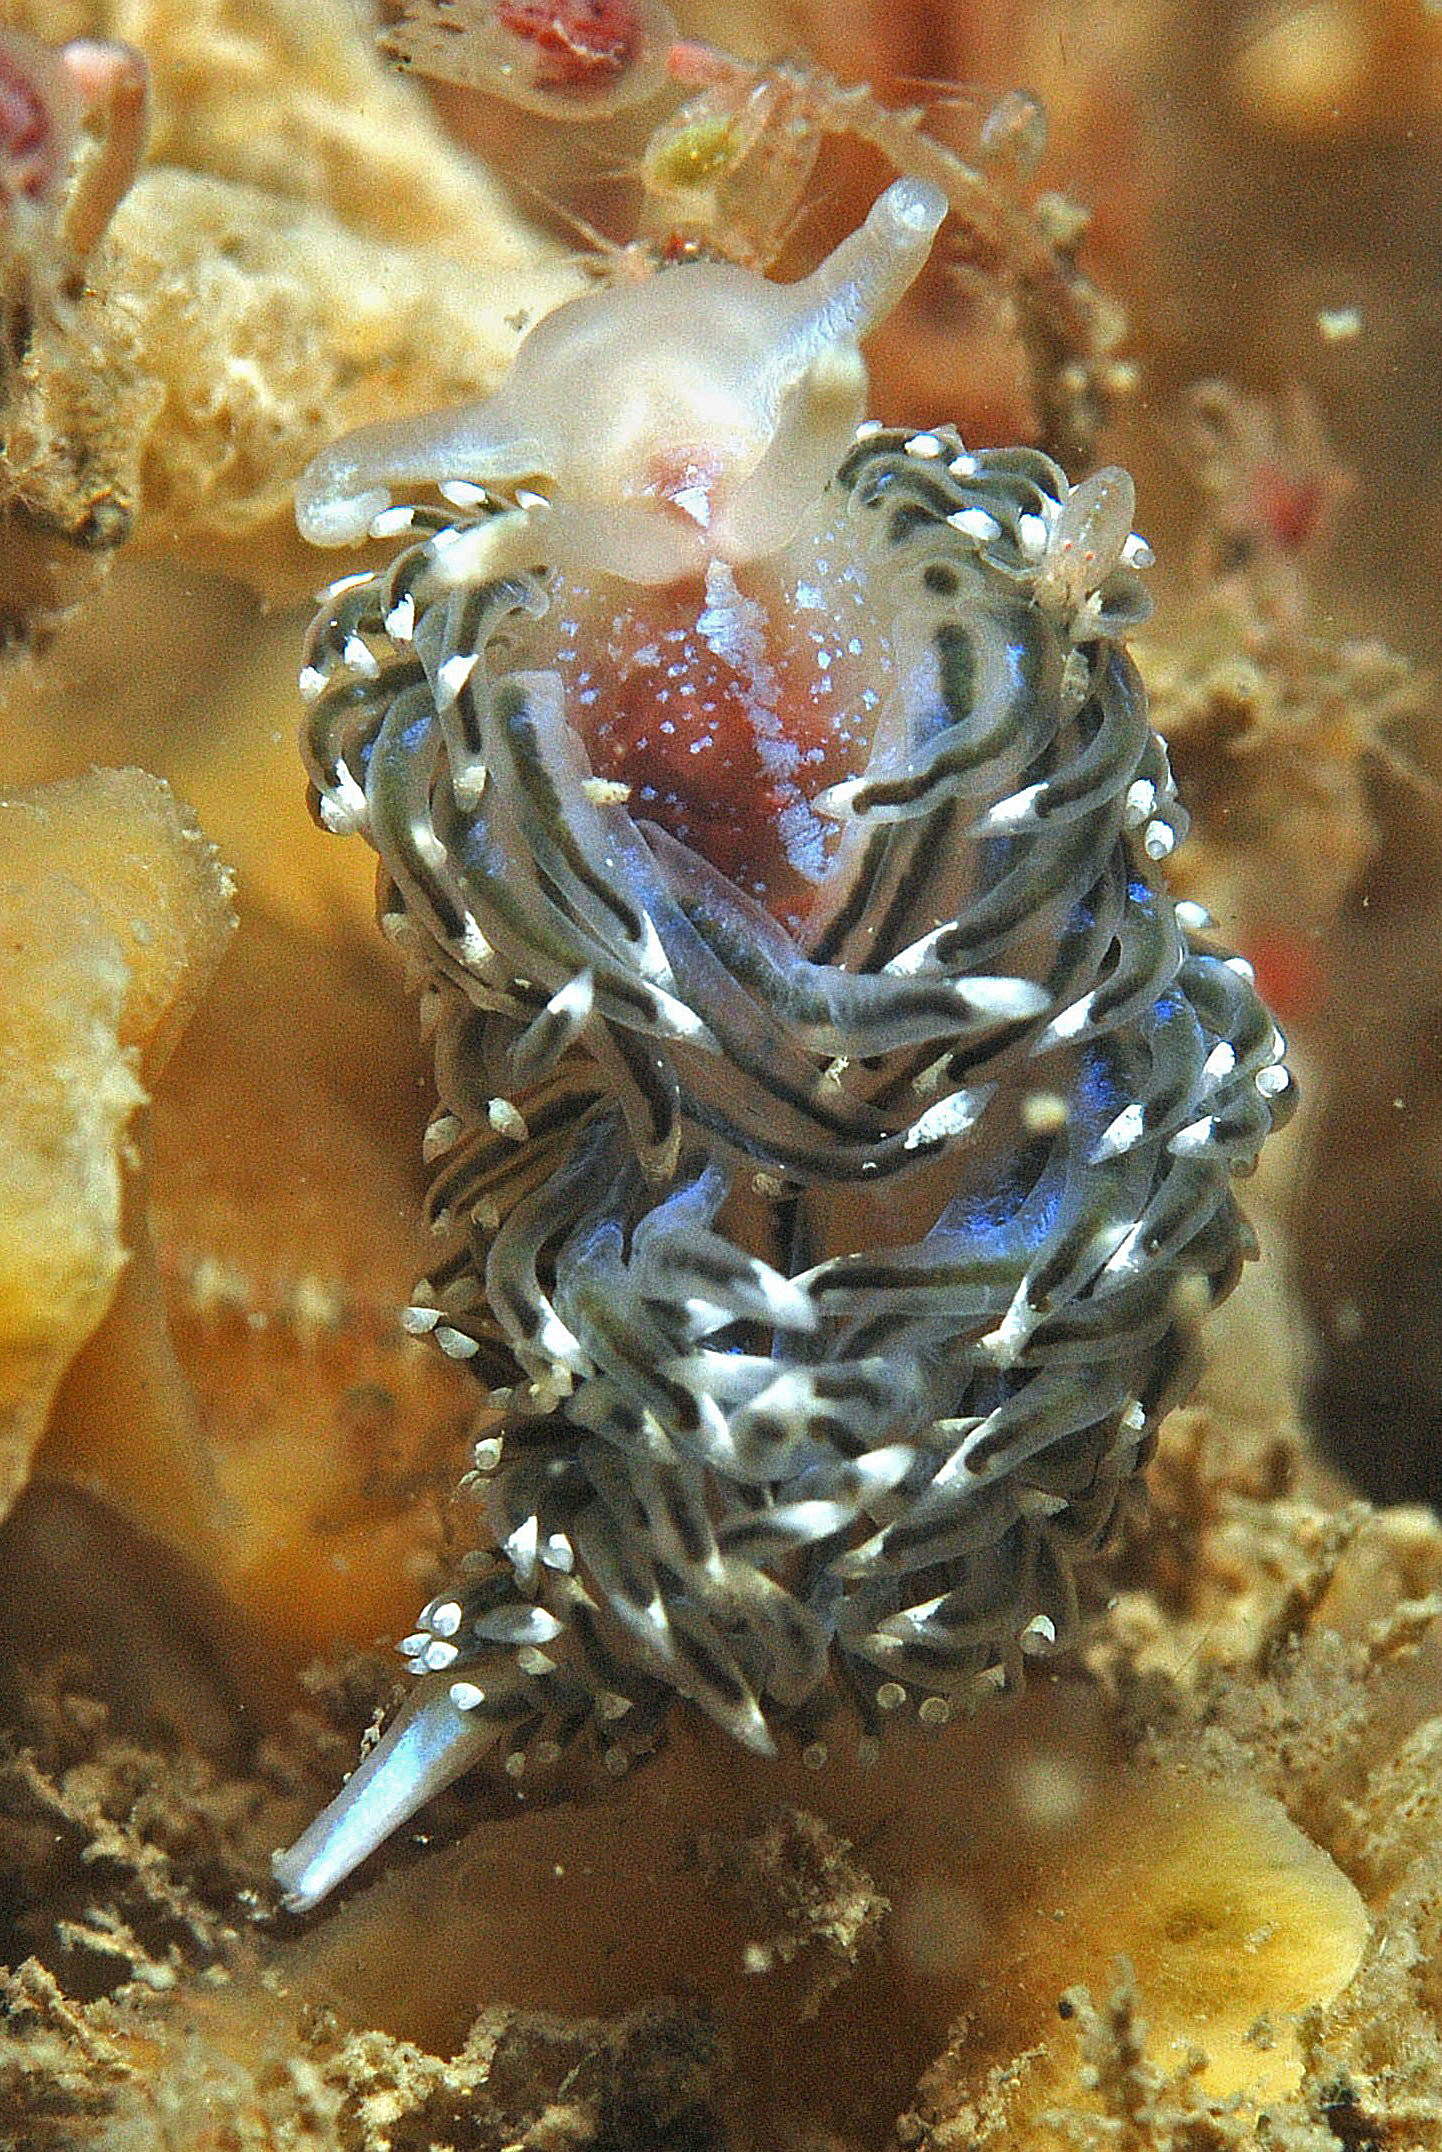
[(725, 711), (26, 131), (578, 46)]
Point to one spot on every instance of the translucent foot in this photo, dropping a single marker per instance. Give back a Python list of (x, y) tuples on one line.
[(427, 1745)]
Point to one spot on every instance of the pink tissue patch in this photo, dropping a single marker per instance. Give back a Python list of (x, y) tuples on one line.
[(49, 96), (27, 132), (1291, 974), (581, 46), (1288, 506)]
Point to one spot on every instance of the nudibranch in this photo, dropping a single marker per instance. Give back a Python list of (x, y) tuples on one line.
[(837, 1118)]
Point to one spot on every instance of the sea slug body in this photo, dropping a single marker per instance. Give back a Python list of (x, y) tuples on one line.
[(837, 1118)]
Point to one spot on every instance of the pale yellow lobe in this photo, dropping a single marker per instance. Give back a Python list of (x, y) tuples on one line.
[(67, 1089), (1235, 1923), (156, 885), (113, 912), (1232, 1921)]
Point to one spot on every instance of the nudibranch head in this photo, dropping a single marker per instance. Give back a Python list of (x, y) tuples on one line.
[(688, 416), (838, 1119)]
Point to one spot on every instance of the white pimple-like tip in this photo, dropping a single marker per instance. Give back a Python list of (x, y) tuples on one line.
[(1070, 1023), (360, 657), (341, 584), (575, 1000), (391, 522), (881, 1470), (459, 555), (681, 1022), (977, 523), (1141, 801), (1011, 1333), (1220, 1061), (1032, 532), (1121, 1134), (1124, 1255), (441, 1134), (788, 1304), (475, 949), (559, 1554), (919, 956), (916, 206), (517, 1625), (561, 1344), (812, 1520), (1015, 808), (401, 619), (714, 1425), (705, 1315), (951, 1116), (1273, 1081), (650, 956), (455, 1344), (334, 818), (343, 807), (433, 852), (343, 521), (862, 1559), (751, 1730), (838, 801), (453, 675), (507, 1120), (522, 1547), (912, 1618), (1194, 1137), (1045, 1113)]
